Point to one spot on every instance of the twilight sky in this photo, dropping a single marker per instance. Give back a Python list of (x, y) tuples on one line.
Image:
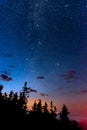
[(44, 43)]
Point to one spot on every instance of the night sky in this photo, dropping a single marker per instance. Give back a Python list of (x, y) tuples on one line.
[(44, 42)]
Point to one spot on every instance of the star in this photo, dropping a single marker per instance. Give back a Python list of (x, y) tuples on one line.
[(37, 25), (66, 5), (57, 64)]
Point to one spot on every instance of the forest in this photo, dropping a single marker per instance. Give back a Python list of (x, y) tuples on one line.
[(14, 113)]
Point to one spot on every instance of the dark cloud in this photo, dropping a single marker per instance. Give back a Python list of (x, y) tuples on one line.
[(32, 90), (60, 88), (44, 95), (70, 75), (84, 91), (11, 66), (63, 93), (40, 77), (5, 78), (8, 55)]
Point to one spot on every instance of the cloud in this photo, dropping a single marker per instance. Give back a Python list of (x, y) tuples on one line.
[(32, 90), (44, 95), (11, 66), (60, 88), (8, 55), (5, 78), (63, 93), (40, 77), (84, 91), (70, 75)]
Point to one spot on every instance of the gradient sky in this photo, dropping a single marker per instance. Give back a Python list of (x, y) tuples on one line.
[(44, 42)]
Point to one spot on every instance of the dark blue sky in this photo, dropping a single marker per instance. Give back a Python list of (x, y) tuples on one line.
[(44, 42)]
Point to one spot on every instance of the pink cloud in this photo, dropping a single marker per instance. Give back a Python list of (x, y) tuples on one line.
[(69, 75), (84, 91)]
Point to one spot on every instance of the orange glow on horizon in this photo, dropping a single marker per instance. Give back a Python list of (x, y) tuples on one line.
[(32, 100)]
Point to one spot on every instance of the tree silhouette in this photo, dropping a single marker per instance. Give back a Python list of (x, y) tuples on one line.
[(39, 106), (45, 108), (24, 94), (5, 96), (75, 126), (11, 95), (34, 107), (13, 112), (53, 109), (1, 87), (64, 113)]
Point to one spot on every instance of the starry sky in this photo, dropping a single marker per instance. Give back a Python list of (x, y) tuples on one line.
[(44, 43)]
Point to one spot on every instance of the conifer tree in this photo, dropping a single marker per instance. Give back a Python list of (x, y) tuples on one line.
[(45, 108), (64, 113), (34, 107)]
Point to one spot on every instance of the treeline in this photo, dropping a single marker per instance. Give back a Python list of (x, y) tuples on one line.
[(14, 113)]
